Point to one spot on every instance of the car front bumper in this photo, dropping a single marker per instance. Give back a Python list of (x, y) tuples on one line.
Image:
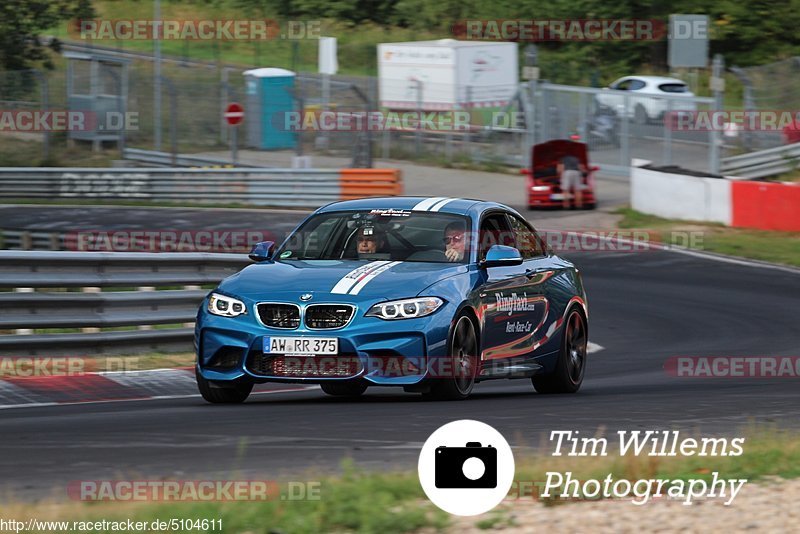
[(388, 353)]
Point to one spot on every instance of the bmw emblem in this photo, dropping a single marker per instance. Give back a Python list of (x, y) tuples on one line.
[(306, 297)]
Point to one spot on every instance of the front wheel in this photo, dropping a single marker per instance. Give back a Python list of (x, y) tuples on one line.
[(571, 364), (463, 358), (235, 394), (344, 389)]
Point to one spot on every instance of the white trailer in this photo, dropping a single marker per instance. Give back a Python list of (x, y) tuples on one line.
[(447, 74)]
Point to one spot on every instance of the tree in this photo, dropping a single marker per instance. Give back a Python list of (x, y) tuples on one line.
[(22, 23)]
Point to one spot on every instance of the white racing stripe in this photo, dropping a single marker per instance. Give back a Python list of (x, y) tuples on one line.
[(428, 203), (440, 205), (347, 282), (365, 280)]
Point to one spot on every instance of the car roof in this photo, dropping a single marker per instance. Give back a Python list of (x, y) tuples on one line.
[(460, 206), (653, 79)]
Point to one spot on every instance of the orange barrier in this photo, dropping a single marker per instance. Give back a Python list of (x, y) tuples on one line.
[(358, 183), (766, 206)]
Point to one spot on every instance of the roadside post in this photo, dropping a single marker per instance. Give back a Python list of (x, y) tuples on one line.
[(234, 115)]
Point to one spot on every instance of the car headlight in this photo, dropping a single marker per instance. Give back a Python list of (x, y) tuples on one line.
[(225, 306), (406, 308)]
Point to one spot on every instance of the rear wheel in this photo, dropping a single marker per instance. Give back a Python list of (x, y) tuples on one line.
[(463, 363), (234, 394), (568, 374), (344, 389)]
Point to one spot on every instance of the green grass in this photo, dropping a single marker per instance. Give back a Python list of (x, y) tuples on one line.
[(16, 152), (355, 501), (139, 362), (764, 245), (357, 53)]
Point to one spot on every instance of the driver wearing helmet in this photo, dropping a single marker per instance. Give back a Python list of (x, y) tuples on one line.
[(370, 240)]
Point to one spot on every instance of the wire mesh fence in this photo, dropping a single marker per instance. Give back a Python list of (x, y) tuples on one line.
[(449, 124), (770, 87)]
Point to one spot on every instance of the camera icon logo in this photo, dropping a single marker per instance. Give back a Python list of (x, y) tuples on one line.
[(466, 467), (472, 466)]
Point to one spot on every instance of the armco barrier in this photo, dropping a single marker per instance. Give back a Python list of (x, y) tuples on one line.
[(115, 289), (767, 206), (763, 163), (302, 188)]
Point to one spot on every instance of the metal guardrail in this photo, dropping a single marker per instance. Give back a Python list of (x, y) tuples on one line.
[(166, 159), (43, 297), (763, 163), (307, 188)]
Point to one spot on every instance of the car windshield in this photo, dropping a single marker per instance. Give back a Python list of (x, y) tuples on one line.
[(380, 234)]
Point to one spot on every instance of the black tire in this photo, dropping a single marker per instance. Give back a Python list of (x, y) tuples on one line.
[(345, 389), (589, 206), (236, 394), (463, 351), (571, 366), (640, 115)]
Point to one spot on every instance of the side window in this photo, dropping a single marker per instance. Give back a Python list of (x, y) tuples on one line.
[(494, 231), (528, 242), (624, 85), (636, 85)]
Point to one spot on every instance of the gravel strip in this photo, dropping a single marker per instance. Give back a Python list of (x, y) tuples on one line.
[(767, 506)]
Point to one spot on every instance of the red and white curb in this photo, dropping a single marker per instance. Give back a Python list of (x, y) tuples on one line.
[(38, 391), (122, 386)]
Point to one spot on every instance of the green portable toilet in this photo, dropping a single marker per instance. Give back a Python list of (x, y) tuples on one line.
[(270, 95)]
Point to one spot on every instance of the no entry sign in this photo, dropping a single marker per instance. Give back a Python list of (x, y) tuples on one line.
[(234, 114)]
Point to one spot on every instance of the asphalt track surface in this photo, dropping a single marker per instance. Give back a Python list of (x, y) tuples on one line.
[(645, 307)]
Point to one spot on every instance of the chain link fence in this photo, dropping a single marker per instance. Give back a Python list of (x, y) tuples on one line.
[(771, 87), (493, 125)]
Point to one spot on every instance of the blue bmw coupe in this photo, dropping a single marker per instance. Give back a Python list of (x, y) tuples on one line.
[(429, 294)]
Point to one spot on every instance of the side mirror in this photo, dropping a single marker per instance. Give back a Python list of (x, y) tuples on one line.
[(501, 256), (262, 251)]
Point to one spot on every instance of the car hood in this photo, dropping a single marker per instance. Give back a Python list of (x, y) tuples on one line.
[(337, 279)]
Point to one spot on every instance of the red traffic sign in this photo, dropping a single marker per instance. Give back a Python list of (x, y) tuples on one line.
[(234, 114)]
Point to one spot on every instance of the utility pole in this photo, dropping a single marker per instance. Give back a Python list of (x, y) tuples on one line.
[(157, 74)]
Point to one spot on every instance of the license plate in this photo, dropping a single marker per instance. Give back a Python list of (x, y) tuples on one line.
[(557, 196), (301, 345)]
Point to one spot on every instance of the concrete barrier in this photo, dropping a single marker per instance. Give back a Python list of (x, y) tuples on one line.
[(730, 201), (679, 196)]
